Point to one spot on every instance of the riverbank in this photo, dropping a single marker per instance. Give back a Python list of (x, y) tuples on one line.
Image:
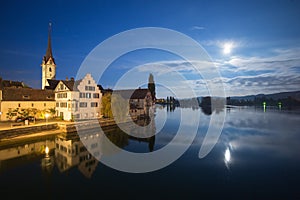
[(8, 133)]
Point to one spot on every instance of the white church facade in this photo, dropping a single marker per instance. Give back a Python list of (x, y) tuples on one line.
[(74, 99)]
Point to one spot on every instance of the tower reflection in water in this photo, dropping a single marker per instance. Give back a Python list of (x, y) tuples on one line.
[(67, 151), (85, 151)]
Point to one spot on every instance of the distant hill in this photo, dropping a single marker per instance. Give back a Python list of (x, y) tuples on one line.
[(275, 96)]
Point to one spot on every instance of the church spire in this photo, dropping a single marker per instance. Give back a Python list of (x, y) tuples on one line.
[(49, 48), (48, 64)]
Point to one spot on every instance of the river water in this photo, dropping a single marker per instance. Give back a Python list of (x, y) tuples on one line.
[(256, 157)]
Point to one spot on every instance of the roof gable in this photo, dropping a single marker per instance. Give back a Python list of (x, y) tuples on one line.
[(63, 86)]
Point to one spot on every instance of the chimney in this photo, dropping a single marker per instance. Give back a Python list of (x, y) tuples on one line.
[(67, 79)]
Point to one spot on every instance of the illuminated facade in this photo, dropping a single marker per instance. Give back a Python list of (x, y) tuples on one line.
[(48, 63)]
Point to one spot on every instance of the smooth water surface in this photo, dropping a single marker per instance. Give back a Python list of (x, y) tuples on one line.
[(256, 157)]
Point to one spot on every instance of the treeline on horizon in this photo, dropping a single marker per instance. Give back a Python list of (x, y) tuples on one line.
[(287, 102)]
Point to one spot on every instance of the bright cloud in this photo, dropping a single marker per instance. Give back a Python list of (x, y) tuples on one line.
[(241, 75)]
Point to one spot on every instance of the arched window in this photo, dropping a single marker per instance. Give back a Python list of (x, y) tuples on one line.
[(50, 70)]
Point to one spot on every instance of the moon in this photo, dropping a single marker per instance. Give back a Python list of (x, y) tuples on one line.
[(227, 48)]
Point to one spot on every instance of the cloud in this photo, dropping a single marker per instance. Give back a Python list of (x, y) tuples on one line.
[(220, 43), (198, 28), (240, 75), (250, 75)]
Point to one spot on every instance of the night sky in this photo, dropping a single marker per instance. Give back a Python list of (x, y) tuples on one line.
[(254, 44)]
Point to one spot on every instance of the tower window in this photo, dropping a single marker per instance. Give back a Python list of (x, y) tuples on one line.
[(50, 70)]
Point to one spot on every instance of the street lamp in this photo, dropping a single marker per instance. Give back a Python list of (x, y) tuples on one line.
[(47, 115), (264, 105)]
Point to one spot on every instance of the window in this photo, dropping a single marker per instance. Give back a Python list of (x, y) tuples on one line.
[(88, 95), (44, 104), (50, 70), (94, 104), (83, 104), (90, 88), (63, 104), (94, 145), (32, 105), (82, 95), (61, 86), (62, 95), (57, 105), (89, 82), (25, 96), (96, 95), (19, 105), (82, 149)]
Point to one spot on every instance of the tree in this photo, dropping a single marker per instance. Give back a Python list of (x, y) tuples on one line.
[(120, 108), (24, 112), (52, 111), (10, 114), (106, 106), (151, 87)]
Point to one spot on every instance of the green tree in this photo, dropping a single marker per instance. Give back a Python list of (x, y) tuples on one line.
[(52, 111), (120, 108), (106, 106), (24, 112), (10, 114)]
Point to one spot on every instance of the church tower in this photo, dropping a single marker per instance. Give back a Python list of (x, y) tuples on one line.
[(48, 63)]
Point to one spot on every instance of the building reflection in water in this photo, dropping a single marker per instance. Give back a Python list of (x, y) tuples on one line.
[(25, 151), (69, 151)]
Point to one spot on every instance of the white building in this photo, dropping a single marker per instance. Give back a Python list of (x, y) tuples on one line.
[(79, 99)]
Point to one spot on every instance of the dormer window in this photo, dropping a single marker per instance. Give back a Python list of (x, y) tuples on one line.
[(25, 96)]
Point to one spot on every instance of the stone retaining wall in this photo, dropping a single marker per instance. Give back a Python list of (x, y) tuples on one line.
[(18, 131)]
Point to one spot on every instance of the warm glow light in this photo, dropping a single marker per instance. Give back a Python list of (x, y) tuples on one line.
[(227, 155), (47, 115), (47, 150), (227, 48)]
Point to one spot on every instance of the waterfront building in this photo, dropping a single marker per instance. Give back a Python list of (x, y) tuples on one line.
[(140, 100), (79, 99), (34, 101)]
